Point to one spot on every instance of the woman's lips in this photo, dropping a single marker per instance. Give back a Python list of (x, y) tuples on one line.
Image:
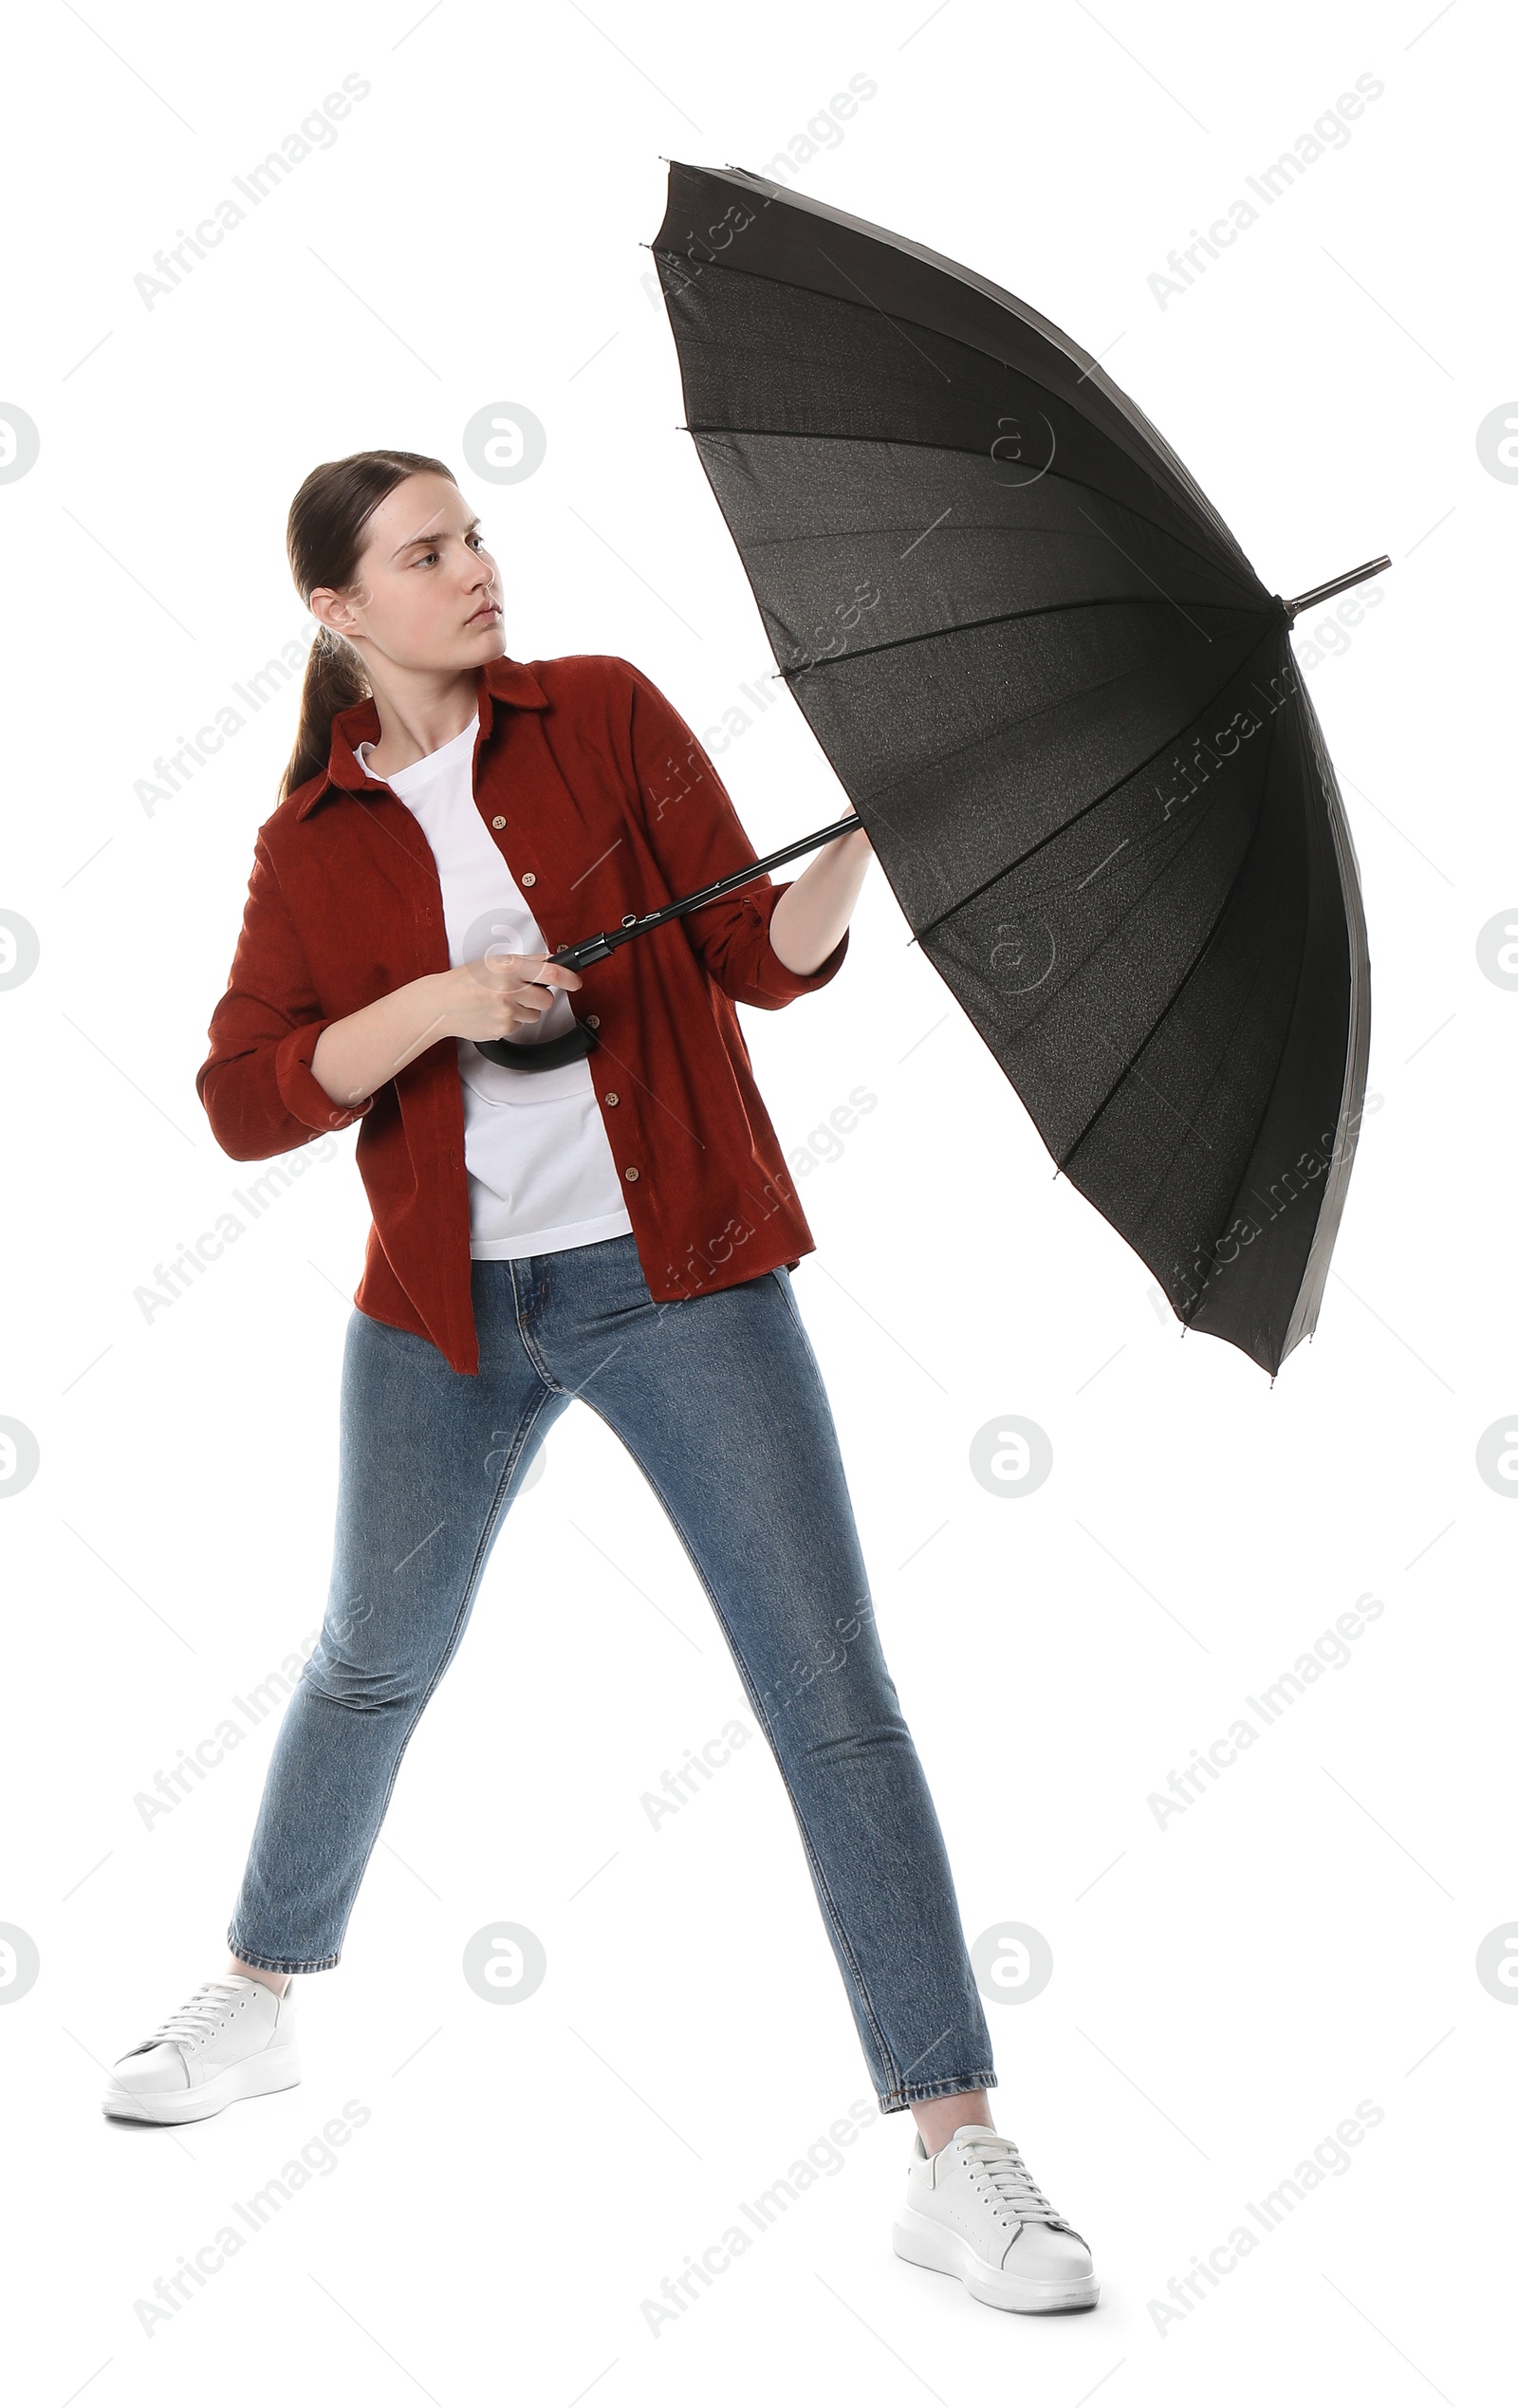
[(492, 610)]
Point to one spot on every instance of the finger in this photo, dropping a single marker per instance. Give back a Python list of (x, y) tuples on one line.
[(499, 965)]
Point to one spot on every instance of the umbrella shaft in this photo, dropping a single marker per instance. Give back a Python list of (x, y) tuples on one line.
[(592, 949), (1337, 586)]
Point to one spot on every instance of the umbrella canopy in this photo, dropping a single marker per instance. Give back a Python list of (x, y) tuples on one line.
[(1066, 712)]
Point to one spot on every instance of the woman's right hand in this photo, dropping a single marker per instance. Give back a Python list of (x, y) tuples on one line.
[(486, 999), (503, 992)]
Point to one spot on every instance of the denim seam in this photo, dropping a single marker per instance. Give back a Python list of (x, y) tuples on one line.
[(818, 1876), (908, 2093), (529, 1345), (794, 1309), (790, 1302), (280, 1965)]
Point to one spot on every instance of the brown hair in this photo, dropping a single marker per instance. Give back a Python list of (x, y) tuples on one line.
[(323, 538)]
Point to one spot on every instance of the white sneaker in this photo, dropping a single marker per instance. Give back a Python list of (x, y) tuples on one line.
[(235, 2039), (973, 2209)]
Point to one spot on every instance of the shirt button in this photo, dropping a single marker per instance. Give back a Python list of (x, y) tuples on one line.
[(614, 1098), (592, 1020), (497, 822), (630, 1175), (530, 878)]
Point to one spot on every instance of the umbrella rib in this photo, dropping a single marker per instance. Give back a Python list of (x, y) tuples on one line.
[(1127, 1069), (1275, 1074), (977, 743), (1006, 618), (1133, 418), (887, 315), (925, 443), (1096, 801), (1179, 988)]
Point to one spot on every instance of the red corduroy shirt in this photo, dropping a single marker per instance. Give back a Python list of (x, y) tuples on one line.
[(602, 803)]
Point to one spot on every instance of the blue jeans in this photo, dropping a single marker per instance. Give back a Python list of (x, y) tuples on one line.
[(720, 1402)]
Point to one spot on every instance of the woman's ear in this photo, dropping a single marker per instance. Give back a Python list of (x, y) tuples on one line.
[(332, 612)]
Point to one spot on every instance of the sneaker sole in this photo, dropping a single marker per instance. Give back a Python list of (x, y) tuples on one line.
[(923, 2242), (252, 2078)]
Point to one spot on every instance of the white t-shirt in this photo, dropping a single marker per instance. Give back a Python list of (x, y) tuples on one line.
[(541, 1174)]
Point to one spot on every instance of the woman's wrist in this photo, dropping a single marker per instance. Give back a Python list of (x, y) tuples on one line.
[(429, 994), (357, 1055)]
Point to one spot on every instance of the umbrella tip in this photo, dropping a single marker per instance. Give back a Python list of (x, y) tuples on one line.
[(1309, 601)]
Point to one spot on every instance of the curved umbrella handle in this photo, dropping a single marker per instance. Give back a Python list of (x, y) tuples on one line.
[(547, 1055)]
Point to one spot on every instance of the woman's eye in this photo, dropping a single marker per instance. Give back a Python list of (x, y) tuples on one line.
[(476, 537)]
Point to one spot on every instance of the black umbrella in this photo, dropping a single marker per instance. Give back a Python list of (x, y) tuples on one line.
[(1067, 713)]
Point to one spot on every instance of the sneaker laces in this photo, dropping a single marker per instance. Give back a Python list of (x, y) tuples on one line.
[(1009, 2180), (198, 2017)]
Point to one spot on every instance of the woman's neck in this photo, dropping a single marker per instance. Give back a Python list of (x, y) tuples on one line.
[(421, 716)]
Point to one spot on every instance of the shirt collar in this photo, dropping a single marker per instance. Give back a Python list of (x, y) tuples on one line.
[(498, 680)]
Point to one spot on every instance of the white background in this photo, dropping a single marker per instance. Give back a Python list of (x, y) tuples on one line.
[(1226, 1990)]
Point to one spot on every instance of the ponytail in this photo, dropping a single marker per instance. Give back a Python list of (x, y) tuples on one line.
[(324, 539), (334, 678)]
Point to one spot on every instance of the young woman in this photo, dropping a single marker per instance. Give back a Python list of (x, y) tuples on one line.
[(619, 1227)]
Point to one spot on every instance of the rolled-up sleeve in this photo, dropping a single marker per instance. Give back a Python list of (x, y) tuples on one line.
[(260, 1093), (697, 837)]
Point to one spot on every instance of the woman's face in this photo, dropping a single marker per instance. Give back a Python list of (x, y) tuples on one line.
[(424, 594)]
